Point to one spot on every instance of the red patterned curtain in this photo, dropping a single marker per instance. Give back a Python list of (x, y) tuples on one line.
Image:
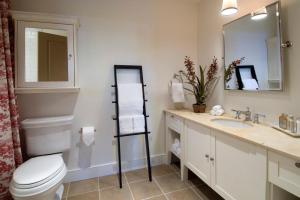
[(10, 151)]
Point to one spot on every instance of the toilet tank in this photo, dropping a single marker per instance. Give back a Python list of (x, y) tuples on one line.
[(47, 135)]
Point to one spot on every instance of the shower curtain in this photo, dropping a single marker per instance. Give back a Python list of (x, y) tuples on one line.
[(10, 151)]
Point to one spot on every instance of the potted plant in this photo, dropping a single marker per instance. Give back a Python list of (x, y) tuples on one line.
[(202, 86)]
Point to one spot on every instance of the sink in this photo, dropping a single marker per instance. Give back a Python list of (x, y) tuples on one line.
[(232, 123)]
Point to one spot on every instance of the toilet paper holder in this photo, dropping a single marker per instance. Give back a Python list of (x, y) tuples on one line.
[(80, 131)]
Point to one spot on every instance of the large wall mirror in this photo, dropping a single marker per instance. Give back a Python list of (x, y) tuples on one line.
[(256, 39), (46, 52)]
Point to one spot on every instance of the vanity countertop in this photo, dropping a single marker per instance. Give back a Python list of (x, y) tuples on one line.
[(258, 134)]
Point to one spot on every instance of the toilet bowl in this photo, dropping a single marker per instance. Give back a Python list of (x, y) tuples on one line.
[(38, 178), (41, 177)]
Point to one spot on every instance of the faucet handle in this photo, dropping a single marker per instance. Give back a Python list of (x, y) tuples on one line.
[(237, 113), (256, 117)]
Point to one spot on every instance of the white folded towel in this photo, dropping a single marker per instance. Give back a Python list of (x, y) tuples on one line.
[(217, 110), (126, 124), (177, 92), (177, 142), (220, 112), (178, 151), (130, 99), (250, 84), (217, 107), (176, 146), (138, 123)]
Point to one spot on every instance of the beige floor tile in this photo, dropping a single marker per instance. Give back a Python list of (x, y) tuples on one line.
[(171, 183), (109, 181), (66, 187), (83, 186), (137, 175), (161, 170), (86, 196), (116, 194), (162, 197), (186, 194), (144, 189)]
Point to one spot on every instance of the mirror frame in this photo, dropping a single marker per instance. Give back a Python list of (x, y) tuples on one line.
[(24, 20), (281, 51)]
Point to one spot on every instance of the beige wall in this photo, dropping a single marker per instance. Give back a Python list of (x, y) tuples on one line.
[(211, 43), (154, 33)]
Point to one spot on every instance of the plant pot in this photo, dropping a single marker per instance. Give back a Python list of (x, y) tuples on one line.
[(199, 108)]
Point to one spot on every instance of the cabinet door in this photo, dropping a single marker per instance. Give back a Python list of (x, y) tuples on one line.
[(197, 144), (239, 169)]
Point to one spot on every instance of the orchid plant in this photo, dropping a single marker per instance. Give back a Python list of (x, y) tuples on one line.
[(202, 86)]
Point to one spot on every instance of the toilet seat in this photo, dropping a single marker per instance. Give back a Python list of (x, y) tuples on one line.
[(38, 175)]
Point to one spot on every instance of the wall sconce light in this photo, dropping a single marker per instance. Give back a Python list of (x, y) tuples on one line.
[(229, 7), (259, 14)]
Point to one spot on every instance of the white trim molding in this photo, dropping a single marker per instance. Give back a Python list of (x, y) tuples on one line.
[(111, 168)]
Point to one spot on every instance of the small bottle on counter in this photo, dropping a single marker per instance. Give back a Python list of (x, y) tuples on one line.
[(298, 126), (283, 121), (290, 119), (294, 126)]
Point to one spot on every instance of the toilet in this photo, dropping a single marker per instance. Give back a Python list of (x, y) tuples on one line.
[(41, 177)]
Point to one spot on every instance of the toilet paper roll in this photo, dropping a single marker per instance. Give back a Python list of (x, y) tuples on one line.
[(88, 135)]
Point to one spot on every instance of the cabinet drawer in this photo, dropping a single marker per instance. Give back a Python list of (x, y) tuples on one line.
[(285, 173), (174, 123)]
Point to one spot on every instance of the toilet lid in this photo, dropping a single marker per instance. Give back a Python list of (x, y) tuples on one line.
[(37, 171)]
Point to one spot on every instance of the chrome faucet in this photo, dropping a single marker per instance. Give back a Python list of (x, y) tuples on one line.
[(247, 114)]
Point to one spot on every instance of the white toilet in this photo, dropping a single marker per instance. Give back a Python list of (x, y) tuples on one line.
[(41, 177)]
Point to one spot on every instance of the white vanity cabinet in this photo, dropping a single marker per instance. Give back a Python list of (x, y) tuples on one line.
[(235, 169), (238, 168), (238, 164), (284, 172)]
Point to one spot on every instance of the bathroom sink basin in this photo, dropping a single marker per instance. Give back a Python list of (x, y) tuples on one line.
[(232, 123)]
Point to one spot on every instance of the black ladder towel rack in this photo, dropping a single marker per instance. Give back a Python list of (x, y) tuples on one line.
[(119, 135)]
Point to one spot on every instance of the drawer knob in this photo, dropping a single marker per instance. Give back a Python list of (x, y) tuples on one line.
[(212, 159), (172, 116), (297, 164), (206, 156)]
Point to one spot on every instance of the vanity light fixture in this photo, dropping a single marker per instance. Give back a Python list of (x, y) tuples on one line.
[(229, 7), (259, 14)]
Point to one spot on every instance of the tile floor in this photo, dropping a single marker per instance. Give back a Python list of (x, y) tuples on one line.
[(166, 185)]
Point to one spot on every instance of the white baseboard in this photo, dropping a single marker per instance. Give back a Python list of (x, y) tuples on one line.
[(112, 168)]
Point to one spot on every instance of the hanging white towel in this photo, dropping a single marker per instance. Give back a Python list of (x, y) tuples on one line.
[(138, 123), (250, 84), (126, 124), (177, 92), (130, 99)]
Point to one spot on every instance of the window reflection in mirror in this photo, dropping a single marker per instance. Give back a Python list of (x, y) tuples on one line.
[(46, 55), (258, 41)]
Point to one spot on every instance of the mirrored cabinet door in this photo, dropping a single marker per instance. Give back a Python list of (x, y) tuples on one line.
[(46, 53)]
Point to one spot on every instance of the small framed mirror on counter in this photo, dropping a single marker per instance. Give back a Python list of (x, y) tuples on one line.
[(46, 53), (253, 51)]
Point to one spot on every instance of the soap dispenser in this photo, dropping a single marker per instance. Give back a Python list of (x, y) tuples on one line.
[(283, 121)]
